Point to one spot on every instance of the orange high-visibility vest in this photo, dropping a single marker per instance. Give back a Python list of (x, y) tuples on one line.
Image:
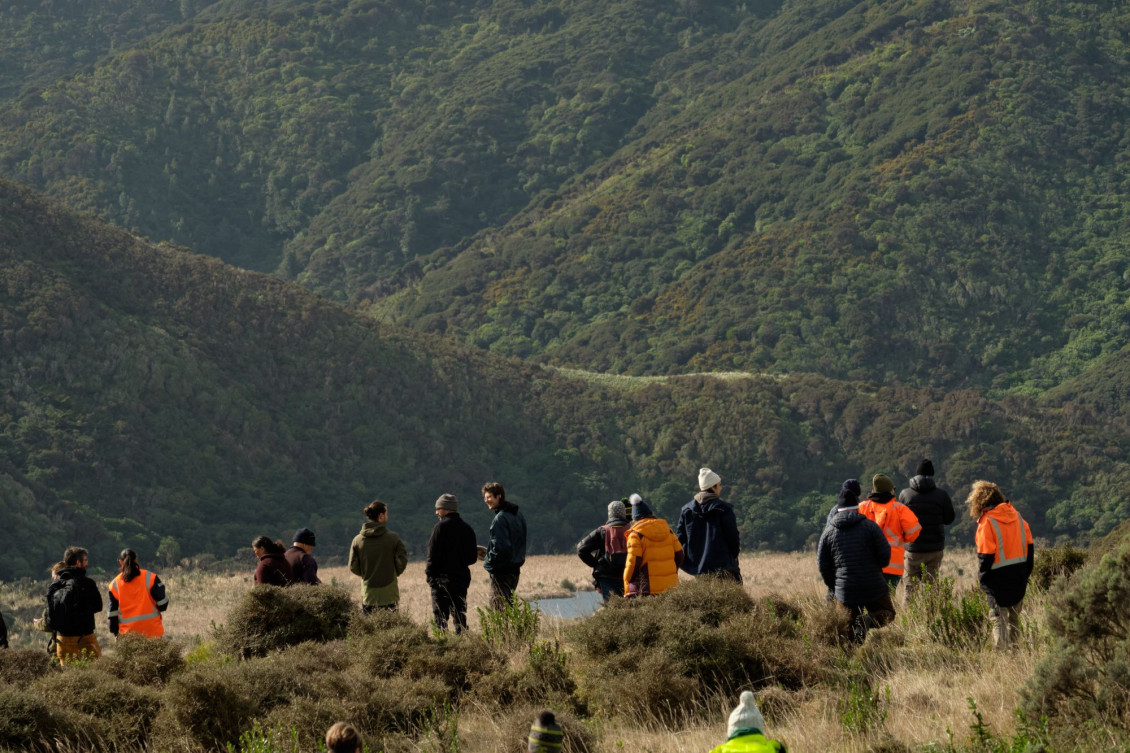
[(137, 612), (899, 524), (1002, 532)]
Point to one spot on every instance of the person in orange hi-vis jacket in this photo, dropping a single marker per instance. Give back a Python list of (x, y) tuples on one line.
[(897, 521), (137, 599), (1005, 554)]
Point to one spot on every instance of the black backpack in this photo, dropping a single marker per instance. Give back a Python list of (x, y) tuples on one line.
[(63, 603)]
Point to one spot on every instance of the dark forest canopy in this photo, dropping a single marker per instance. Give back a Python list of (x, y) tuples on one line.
[(153, 394), (918, 192)]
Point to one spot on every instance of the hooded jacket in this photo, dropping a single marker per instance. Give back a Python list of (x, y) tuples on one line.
[(452, 549), (378, 556), (506, 550), (304, 566), (852, 554), (273, 570), (654, 556), (708, 532), (934, 509), (594, 553), (896, 521), (1006, 559)]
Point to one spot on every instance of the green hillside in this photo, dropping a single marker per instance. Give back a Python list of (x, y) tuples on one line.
[(151, 393), (909, 192)]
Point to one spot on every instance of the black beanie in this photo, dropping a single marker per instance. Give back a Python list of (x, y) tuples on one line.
[(642, 510), (852, 485), (925, 468), (847, 498)]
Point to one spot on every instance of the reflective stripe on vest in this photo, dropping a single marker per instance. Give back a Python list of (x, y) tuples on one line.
[(137, 612), (1000, 560)]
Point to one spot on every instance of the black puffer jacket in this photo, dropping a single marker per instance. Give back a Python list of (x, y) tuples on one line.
[(934, 509), (451, 551), (852, 554)]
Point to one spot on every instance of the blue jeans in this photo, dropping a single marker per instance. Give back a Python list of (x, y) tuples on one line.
[(610, 587)]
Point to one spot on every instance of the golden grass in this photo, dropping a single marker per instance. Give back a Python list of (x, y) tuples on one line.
[(928, 689)]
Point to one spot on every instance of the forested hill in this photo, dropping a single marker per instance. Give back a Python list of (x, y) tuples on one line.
[(152, 395), (916, 192)]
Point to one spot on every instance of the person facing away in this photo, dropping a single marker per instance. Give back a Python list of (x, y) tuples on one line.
[(745, 731), (452, 549), (343, 738), (378, 557), (851, 555), (506, 548), (546, 736), (654, 554), (273, 569), (605, 550), (1005, 554), (933, 507), (137, 599), (895, 520), (708, 531), (300, 557), (72, 601)]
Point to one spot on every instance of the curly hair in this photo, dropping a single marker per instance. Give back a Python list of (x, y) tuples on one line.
[(983, 495)]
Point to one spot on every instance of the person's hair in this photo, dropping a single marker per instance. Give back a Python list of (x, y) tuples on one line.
[(496, 489), (56, 568), (983, 495), (73, 555), (268, 544), (342, 738), (128, 560), (375, 509)]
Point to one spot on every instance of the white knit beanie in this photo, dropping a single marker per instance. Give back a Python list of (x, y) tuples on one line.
[(745, 717), (707, 479)]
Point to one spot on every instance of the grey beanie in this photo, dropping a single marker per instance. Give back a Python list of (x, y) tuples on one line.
[(616, 509), (447, 502)]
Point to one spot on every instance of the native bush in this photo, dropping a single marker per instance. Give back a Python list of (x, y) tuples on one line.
[(28, 722), (1053, 563), (126, 709), (145, 661), (1086, 675), (269, 618), (956, 620), (514, 729), (20, 666), (207, 705)]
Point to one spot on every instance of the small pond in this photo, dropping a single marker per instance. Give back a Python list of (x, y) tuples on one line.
[(580, 604)]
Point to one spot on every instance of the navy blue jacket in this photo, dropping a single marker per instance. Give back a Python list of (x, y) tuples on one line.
[(852, 554), (506, 550), (934, 509), (708, 532)]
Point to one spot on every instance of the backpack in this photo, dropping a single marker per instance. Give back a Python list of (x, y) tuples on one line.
[(63, 602)]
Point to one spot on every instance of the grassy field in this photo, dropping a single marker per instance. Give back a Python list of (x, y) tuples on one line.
[(919, 694)]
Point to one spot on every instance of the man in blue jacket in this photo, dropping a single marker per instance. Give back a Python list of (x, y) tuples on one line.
[(506, 549), (708, 531)]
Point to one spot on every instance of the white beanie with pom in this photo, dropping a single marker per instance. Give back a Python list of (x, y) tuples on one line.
[(745, 718)]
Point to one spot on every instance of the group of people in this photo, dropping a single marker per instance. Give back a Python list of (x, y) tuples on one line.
[(868, 546)]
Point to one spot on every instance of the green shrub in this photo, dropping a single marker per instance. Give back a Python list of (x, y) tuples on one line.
[(270, 618), (1086, 675), (514, 625), (145, 661), (208, 705), (1056, 562), (20, 666), (954, 620)]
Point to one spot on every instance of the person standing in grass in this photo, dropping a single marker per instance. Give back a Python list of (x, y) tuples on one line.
[(745, 731), (605, 550), (708, 531), (895, 520), (933, 507), (300, 557), (137, 599), (506, 549), (378, 557), (452, 549), (1006, 555), (654, 554), (273, 569), (72, 601), (851, 555)]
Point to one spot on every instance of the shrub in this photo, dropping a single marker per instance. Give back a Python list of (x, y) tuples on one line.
[(270, 618), (20, 666), (126, 709), (514, 730), (513, 626), (145, 661), (1054, 563), (27, 722), (954, 620), (208, 706)]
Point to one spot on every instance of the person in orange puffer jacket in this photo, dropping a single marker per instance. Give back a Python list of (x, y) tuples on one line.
[(654, 554), (897, 522)]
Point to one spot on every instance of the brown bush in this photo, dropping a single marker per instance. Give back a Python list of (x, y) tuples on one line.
[(207, 706), (270, 618), (21, 666), (514, 729), (29, 723), (145, 661), (126, 709)]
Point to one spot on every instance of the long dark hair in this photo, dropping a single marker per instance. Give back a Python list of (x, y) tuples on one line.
[(268, 545), (128, 561)]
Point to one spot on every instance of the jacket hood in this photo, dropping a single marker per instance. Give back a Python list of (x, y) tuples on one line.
[(923, 484), (372, 529), (617, 522), (653, 529), (1004, 513), (848, 517), (881, 498), (506, 506), (707, 503), (68, 573)]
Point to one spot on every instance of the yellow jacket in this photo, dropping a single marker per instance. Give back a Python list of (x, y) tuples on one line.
[(654, 554)]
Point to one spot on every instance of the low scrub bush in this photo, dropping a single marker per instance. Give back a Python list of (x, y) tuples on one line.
[(125, 709), (20, 666), (1055, 562), (955, 620), (514, 730), (208, 707), (145, 661), (28, 722), (269, 618)]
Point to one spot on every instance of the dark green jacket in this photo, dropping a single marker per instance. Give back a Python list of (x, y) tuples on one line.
[(506, 550), (378, 557)]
